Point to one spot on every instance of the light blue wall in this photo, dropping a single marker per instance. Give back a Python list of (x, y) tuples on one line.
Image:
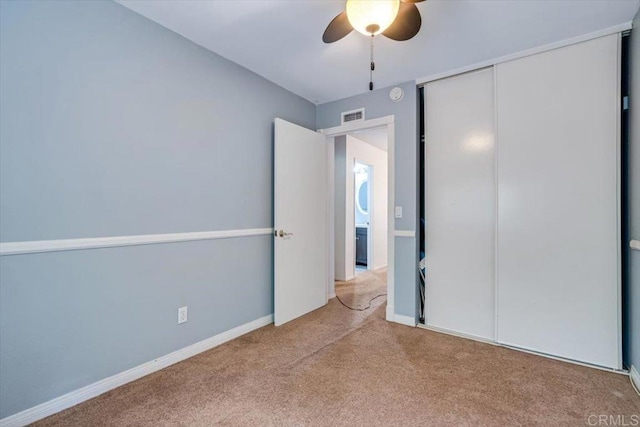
[(113, 125), (632, 274), (377, 104)]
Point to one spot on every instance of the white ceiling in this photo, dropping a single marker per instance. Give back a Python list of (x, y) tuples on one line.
[(281, 40)]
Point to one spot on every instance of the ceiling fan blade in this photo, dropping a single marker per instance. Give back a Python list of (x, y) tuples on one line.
[(407, 23), (337, 28), (412, 1)]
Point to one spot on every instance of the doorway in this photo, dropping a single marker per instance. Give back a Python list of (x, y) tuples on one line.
[(360, 209), (343, 164)]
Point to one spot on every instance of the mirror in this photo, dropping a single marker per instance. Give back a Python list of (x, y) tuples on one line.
[(362, 199)]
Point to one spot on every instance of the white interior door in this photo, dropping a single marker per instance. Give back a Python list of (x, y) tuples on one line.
[(461, 196), (300, 221), (558, 284)]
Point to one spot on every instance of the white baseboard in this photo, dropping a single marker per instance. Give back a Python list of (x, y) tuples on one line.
[(635, 376), (405, 320), (75, 397), (398, 318), (332, 295)]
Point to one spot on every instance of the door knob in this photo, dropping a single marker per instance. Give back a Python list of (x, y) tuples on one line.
[(282, 233)]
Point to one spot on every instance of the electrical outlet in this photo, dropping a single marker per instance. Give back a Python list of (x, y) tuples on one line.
[(182, 315)]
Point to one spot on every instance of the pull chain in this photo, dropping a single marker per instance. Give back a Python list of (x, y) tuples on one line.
[(373, 66)]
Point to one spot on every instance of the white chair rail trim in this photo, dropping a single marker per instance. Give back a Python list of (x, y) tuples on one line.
[(404, 233), (37, 246)]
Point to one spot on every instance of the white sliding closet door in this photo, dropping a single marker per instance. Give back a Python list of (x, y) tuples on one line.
[(558, 285), (460, 211)]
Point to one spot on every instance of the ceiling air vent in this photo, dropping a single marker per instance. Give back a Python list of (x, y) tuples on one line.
[(353, 116)]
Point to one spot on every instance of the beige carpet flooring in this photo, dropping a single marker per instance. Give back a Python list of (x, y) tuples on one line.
[(341, 367)]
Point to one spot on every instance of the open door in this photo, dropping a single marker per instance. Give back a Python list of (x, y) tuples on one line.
[(300, 221)]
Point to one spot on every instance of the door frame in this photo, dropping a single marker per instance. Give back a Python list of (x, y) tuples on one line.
[(331, 133)]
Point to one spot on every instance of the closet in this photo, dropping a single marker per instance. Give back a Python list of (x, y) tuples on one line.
[(522, 203)]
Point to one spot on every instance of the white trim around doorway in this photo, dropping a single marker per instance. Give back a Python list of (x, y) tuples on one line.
[(388, 122)]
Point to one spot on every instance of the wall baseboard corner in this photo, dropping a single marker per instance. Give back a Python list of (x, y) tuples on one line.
[(332, 295), (398, 318), (90, 391), (405, 320)]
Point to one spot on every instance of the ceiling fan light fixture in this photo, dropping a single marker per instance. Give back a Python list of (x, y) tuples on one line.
[(372, 17)]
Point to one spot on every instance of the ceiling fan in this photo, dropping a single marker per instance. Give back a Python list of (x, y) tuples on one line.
[(396, 19)]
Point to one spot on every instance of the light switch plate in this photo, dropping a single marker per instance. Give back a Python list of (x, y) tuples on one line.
[(182, 315), (398, 211)]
